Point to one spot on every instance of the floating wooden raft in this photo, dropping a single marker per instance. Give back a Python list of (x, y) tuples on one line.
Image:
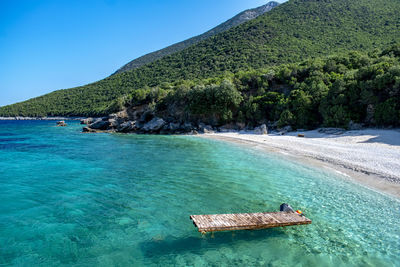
[(247, 221)]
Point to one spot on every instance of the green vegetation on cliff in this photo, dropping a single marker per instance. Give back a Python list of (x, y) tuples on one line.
[(294, 31), (332, 91)]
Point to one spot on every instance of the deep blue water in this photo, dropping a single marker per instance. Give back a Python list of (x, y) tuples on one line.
[(74, 199)]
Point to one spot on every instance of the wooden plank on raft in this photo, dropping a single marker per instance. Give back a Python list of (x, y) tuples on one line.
[(247, 221)]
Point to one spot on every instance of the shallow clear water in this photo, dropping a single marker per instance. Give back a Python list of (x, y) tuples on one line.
[(68, 198)]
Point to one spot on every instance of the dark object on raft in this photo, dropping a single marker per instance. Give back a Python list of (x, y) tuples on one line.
[(286, 207)]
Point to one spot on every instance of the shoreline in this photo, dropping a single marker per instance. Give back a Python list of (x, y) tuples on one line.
[(41, 118), (374, 164)]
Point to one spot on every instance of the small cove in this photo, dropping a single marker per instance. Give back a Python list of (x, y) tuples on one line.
[(68, 198)]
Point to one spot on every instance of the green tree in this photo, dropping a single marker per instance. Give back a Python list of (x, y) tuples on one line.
[(387, 113)]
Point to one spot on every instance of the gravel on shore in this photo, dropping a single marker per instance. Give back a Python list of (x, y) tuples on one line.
[(370, 156)]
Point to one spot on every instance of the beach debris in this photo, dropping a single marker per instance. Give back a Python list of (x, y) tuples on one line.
[(301, 135), (61, 124)]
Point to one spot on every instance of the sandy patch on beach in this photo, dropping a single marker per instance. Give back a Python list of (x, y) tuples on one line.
[(370, 156)]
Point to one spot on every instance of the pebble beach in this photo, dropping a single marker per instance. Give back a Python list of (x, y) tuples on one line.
[(370, 156)]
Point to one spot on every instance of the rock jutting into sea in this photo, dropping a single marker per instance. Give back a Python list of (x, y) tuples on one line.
[(20, 118), (61, 124), (143, 121)]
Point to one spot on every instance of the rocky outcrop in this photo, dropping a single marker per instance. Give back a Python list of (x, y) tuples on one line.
[(262, 129), (207, 129), (228, 128), (61, 124), (188, 127), (143, 120), (284, 130), (171, 127), (154, 125), (88, 130), (355, 126), (100, 124), (19, 118), (126, 127), (87, 121), (369, 118)]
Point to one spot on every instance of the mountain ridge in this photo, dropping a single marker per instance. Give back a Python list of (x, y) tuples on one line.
[(240, 18)]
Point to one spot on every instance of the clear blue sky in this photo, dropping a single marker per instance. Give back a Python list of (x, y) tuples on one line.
[(47, 45)]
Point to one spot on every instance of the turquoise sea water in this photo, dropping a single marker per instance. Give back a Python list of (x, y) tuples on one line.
[(74, 199)]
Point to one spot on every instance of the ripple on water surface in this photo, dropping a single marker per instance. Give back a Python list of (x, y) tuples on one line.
[(108, 199)]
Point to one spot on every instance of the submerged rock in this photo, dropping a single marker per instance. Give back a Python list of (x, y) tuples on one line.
[(88, 130)]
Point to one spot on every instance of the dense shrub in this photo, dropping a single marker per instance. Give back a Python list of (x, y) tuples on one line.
[(387, 113), (304, 95)]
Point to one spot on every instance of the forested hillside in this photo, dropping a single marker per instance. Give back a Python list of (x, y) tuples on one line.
[(235, 21), (294, 31), (333, 91)]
